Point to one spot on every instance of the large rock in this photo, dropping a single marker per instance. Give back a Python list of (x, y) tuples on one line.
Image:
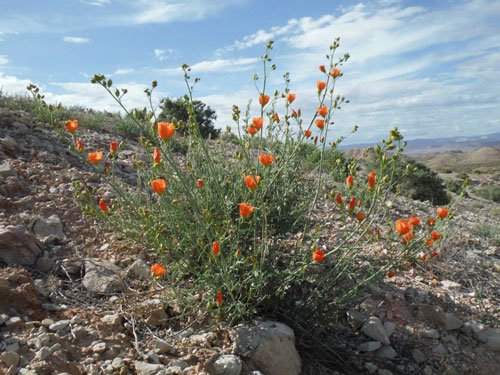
[(374, 329), (18, 246), (227, 364), (144, 368), (270, 346), (102, 276), (48, 230), (436, 315), (490, 336)]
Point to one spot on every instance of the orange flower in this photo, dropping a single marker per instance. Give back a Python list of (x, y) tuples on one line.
[(200, 183), (258, 122), (371, 180), (157, 270), (95, 157), (408, 237), (322, 111), (352, 203), (219, 298), (252, 131), (431, 221), (349, 182), (71, 125), (290, 97), (263, 99), (252, 181), (442, 212), (429, 242), (321, 85), (246, 210), (422, 256), (266, 159), (166, 130), (339, 199), (435, 235), (276, 117), (315, 140), (159, 185), (216, 248), (414, 221), (79, 145), (113, 147), (156, 156), (103, 206), (322, 68), (307, 133), (335, 72), (237, 253), (320, 123), (402, 226), (360, 216), (318, 255), (322, 139), (434, 253), (391, 273)]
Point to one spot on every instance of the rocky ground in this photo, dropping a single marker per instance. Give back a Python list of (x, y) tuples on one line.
[(77, 299)]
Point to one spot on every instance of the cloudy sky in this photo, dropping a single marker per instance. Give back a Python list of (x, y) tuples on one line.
[(430, 67)]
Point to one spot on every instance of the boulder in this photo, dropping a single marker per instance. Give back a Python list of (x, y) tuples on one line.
[(269, 345), (18, 246), (47, 230), (102, 276)]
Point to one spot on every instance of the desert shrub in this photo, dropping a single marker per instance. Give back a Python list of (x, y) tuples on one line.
[(178, 109), (235, 228), (421, 183), (491, 192)]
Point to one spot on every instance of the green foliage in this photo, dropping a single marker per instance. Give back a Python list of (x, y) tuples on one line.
[(421, 183), (178, 109), (491, 192)]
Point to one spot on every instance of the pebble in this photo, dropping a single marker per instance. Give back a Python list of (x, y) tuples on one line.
[(99, 347), (430, 333), (43, 353), (387, 351), (374, 329), (370, 367), (369, 346), (418, 356), (61, 324), (10, 358), (228, 364)]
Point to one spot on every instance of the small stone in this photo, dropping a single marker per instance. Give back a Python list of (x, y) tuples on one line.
[(9, 142), (428, 370), (14, 322), (440, 349), (43, 353), (491, 338), (144, 368), (452, 322), (418, 356), (47, 322), (389, 328), (61, 324), (99, 347), (56, 347), (370, 367), (3, 318), (450, 285), (114, 320), (430, 333), (173, 370), (355, 317), (228, 364), (42, 340), (374, 329), (161, 346), (117, 363), (139, 269), (369, 346), (387, 351), (10, 358), (6, 170), (187, 332)]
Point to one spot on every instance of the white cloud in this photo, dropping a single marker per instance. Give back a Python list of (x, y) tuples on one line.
[(160, 54), (12, 85), (124, 71), (3, 60), (77, 40), (98, 3), (216, 66)]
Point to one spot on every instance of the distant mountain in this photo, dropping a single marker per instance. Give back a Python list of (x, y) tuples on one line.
[(430, 146)]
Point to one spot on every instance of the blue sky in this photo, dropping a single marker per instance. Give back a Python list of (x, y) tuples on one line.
[(430, 67)]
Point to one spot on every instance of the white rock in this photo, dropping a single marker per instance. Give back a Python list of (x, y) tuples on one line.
[(102, 276), (270, 346), (49, 229), (114, 320), (374, 329), (450, 285), (61, 324), (140, 270), (144, 368), (228, 364)]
